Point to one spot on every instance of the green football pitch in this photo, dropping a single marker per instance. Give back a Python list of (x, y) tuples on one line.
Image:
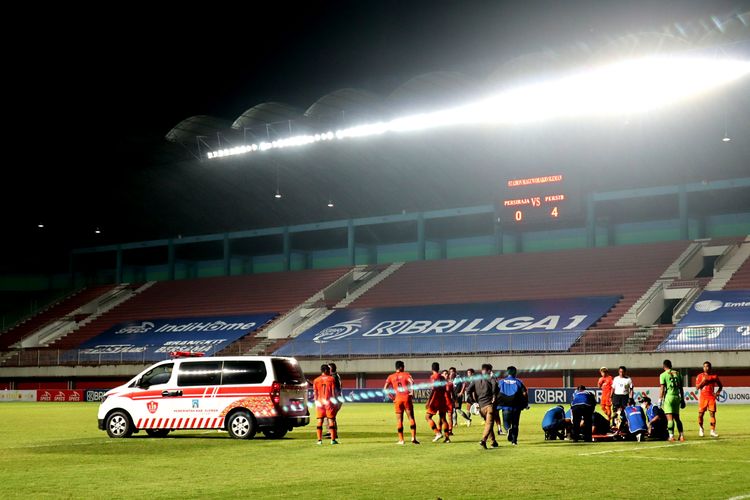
[(55, 450)]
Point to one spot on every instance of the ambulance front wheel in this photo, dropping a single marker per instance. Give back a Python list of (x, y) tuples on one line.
[(118, 425), (241, 425)]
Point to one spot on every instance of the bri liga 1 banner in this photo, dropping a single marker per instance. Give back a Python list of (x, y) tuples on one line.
[(526, 325)]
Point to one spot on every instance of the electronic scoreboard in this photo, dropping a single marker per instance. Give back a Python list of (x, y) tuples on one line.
[(537, 200)]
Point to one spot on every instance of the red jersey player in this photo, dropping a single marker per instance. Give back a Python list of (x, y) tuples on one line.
[(706, 383), (605, 384), (324, 388), (401, 392), (436, 403), (449, 403)]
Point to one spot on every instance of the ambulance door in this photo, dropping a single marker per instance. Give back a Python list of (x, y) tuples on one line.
[(148, 409), (197, 407)]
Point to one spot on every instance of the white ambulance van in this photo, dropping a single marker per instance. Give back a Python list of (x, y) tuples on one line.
[(239, 394)]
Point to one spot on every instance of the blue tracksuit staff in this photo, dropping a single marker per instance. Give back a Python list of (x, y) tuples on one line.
[(513, 399), (657, 420), (582, 407), (636, 420), (553, 423)]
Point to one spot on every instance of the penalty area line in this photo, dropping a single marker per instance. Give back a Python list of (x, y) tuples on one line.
[(670, 445)]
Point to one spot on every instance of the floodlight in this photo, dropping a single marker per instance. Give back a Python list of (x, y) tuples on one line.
[(623, 88)]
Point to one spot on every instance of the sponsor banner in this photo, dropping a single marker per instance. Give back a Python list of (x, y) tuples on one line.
[(60, 395), (153, 340), (563, 395), (730, 395), (716, 321), (530, 325), (94, 395), (376, 395), (9, 396), (554, 396)]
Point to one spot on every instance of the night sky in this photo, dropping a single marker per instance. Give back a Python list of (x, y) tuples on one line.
[(92, 92)]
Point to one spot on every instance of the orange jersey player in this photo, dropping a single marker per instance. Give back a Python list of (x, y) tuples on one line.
[(399, 387), (605, 384), (707, 383), (436, 403), (324, 388)]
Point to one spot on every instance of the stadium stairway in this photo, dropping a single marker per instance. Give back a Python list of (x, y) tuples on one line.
[(362, 279), (284, 324), (379, 274), (734, 274), (64, 308)]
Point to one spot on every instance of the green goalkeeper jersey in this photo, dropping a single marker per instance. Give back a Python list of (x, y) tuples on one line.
[(672, 380)]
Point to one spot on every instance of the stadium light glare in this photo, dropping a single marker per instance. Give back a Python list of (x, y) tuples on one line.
[(623, 88), (40, 226), (726, 139), (330, 203)]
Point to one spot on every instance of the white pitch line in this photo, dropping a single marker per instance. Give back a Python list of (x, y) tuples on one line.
[(670, 445), (681, 459), (741, 497)]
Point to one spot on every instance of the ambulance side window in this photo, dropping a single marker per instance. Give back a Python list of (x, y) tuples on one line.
[(199, 373), (243, 372), (156, 375)]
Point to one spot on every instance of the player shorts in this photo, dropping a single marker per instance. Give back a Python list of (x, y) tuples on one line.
[(606, 402), (326, 411), (671, 405), (435, 407), (619, 400), (402, 405), (706, 404)]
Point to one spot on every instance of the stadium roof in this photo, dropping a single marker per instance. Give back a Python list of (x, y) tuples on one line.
[(441, 89)]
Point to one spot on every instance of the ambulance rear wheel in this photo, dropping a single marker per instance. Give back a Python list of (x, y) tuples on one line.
[(118, 425), (275, 432), (157, 433), (241, 425)]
